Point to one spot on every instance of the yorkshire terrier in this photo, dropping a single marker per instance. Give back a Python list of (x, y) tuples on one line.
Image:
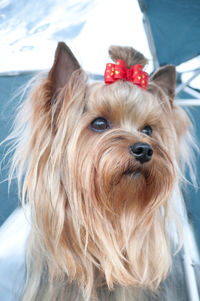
[(98, 163)]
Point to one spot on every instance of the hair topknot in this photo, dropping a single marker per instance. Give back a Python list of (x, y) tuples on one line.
[(128, 54)]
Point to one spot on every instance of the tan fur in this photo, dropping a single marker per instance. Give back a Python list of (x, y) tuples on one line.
[(95, 224), (129, 55)]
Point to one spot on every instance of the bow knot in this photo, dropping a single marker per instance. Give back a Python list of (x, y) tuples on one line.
[(118, 71)]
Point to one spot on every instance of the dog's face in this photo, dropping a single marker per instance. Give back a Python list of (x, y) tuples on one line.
[(106, 172), (129, 148)]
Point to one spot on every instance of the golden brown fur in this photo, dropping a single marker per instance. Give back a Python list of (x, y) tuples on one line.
[(129, 55), (99, 218)]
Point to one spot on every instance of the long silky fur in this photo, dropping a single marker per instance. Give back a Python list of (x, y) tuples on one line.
[(82, 246)]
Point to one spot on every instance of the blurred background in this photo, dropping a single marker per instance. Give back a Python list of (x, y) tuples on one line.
[(165, 31)]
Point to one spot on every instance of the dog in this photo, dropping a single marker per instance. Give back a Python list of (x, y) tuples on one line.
[(98, 162)]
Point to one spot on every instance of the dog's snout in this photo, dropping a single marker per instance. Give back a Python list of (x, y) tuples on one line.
[(141, 151)]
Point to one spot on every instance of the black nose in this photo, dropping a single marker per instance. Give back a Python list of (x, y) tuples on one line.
[(141, 151)]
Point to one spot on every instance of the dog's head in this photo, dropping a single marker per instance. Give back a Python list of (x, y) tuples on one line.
[(100, 165)]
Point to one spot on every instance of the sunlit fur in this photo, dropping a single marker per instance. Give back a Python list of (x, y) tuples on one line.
[(99, 218)]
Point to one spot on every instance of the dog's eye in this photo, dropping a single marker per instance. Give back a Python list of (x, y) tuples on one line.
[(147, 130), (99, 124)]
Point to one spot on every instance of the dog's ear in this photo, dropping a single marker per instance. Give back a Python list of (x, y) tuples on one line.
[(165, 78), (64, 65)]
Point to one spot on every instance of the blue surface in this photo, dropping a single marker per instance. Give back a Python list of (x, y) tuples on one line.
[(8, 87), (192, 195), (175, 26)]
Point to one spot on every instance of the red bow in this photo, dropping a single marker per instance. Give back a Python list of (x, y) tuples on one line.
[(135, 74)]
